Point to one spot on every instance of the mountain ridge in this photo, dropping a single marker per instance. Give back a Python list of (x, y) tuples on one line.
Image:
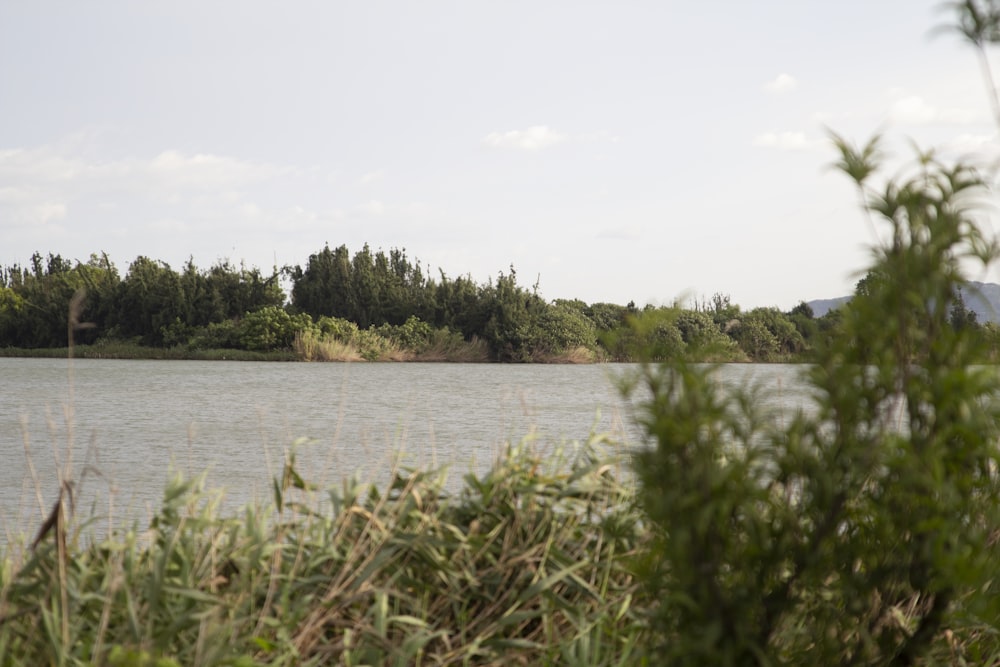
[(981, 298)]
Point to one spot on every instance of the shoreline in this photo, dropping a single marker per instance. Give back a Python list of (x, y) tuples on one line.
[(138, 353)]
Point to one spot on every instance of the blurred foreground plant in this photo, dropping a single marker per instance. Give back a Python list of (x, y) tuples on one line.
[(862, 529)]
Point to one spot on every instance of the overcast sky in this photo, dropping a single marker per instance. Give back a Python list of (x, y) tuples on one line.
[(610, 151)]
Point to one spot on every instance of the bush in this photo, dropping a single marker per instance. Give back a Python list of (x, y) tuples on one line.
[(271, 328), (560, 328), (651, 335), (216, 336), (337, 328), (705, 339), (413, 334)]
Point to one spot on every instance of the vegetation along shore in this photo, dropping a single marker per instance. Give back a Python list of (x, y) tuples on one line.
[(379, 307)]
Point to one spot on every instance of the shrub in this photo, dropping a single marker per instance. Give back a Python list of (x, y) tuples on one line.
[(862, 530), (215, 336), (337, 328), (704, 338), (560, 328), (413, 334), (271, 328), (651, 335)]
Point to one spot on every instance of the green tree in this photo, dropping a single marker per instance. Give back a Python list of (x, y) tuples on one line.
[(462, 305), (151, 298), (511, 329), (36, 302), (724, 312), (704, 338), (100, 281), (324, 286), (804, 321), (959, 315), (755, 338), (606, 316), (651, 335)]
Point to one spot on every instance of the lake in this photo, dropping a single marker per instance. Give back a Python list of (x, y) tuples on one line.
[(125, 424)]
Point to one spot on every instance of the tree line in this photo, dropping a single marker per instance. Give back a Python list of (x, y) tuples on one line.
[(380, 296)]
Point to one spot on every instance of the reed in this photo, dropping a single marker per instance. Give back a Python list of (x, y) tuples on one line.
[(446, 346), (369, 346), (526, 564), (313, 348)]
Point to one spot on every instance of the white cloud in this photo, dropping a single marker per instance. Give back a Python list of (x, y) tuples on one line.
[(371, 177), (534, 138), (32, 212), (13, 195), (169, 204), (205, 171), (170, 226), (372, 207), (48, 211), (629, 233), (603, 136), (786, 141), (914, 110), (168, 173), (250, 210), (781, 84), (978, 147)]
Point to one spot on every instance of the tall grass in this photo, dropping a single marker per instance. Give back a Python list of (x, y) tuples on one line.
[(526, 564), (368, 346)]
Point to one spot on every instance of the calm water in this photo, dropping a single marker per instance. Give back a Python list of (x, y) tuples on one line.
[(134, 421)]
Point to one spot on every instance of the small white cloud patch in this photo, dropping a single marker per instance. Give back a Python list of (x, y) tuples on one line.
[(914, 110), (371, 177), (788, 141), (372, 207), (631, 233), (977, 146), (534, 138), (781, 83)]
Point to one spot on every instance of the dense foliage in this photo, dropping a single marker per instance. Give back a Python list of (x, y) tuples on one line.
[(152, 305), (864, 529), (527, 564), (375, 296)]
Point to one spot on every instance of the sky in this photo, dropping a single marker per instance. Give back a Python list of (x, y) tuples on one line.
[(646, 151)]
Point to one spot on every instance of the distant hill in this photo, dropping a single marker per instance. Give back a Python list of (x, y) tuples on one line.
[(981, 298), (821, 307)]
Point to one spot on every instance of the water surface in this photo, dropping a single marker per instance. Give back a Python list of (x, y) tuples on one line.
[(125, 424)]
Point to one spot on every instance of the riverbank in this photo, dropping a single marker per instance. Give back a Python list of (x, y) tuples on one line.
[(473, 352), (127, 351)]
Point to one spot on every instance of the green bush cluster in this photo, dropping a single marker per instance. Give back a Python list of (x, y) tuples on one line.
[(372, 298), (383, 297)]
